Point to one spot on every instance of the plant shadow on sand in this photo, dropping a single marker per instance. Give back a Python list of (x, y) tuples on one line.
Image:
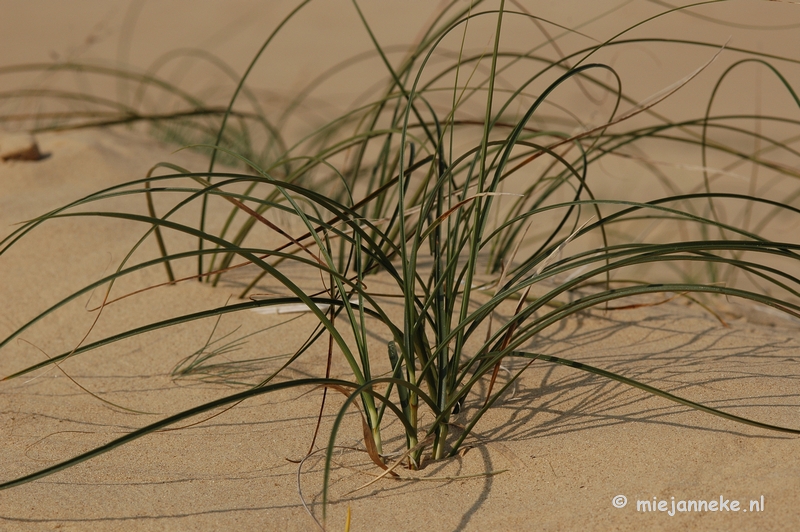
[(524, 438)]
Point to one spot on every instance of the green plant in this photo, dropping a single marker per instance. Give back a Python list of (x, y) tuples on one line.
[(413, 189)]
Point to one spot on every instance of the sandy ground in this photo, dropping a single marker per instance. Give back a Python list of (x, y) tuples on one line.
[(552, 455)]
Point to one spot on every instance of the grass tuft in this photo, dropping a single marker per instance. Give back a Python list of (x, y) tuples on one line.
[(468, 189)]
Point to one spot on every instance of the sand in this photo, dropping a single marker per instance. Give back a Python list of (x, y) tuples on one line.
[(553, 454)]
